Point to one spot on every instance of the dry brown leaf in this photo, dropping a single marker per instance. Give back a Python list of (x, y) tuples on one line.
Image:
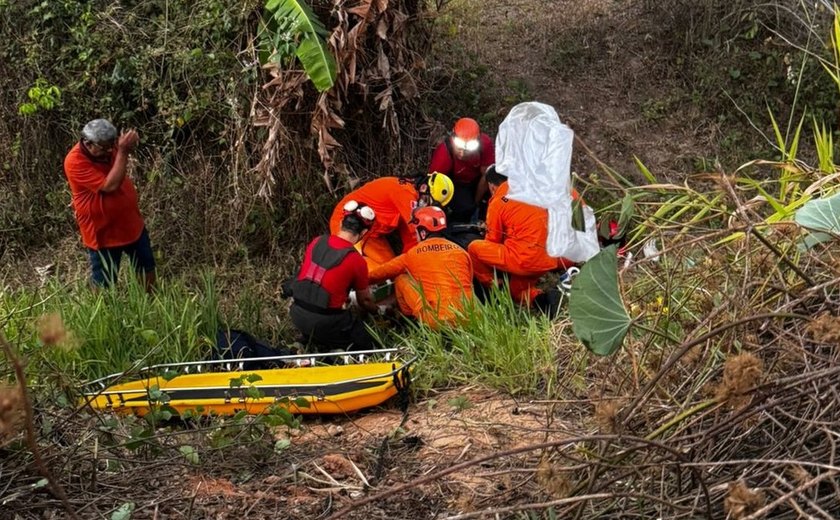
[(740, 373), (362, 9), (741, 501), (408, 87), (398, 21), (383, 64), (382, 29)]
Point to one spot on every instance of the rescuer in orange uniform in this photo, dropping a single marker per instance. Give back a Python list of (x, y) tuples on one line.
[(393, 199), (515, 244), (433, 278)]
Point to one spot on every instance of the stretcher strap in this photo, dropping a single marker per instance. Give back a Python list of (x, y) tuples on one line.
[(402, 382)]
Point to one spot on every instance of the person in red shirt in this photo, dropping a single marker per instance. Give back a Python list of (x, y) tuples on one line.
[(515, 244), (433, 279), (105, 203), (393, 199), (331, 268), (464, 156)]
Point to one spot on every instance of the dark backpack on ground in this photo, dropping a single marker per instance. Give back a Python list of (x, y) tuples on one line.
[(239, 345)]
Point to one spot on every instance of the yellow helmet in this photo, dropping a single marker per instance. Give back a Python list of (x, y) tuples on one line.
[(441, 188)]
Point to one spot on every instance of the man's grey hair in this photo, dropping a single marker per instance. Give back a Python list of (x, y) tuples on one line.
[(99, 131)]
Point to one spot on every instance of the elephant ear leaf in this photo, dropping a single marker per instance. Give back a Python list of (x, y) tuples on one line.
[(295, 28), (597, 312), (822, 218)]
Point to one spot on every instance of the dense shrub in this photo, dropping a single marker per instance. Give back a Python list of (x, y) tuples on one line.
[(174, 70), (759, 55), (187, 75)]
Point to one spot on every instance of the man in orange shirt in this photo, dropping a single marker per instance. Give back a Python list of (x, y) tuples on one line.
[(105, 203), (393, 199), (433, 278), (515, 244)]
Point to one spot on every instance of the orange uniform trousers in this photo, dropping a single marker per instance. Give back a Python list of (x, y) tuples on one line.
[(514, 244)]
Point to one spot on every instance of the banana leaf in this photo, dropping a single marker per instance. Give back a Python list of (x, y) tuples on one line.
[(294, 20)]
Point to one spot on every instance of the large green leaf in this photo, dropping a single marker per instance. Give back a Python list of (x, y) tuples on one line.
[(822, 217), (294, 21), (318, 63), (628, 209), (595, 306)]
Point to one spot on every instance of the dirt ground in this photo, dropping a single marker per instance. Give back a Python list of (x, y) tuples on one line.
[(334, 462), (600, 66), (328, 463)]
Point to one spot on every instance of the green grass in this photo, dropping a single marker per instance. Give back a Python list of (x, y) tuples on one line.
[(498, 344), (109, 331)]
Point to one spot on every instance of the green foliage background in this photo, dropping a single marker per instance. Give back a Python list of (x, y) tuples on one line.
[(182, 72)]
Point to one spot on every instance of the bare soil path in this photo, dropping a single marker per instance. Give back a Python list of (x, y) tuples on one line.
[(600, 65)]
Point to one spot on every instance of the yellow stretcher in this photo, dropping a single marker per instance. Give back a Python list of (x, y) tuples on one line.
[(358, 380)]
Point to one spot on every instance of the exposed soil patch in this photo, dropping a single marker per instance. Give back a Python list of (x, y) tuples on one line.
[(331, 462), (601, 66)]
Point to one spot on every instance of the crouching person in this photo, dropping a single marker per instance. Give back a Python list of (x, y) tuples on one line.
[(331, 268), (515, 244), (433, 279)]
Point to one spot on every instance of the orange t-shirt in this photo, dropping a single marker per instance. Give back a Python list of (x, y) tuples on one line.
[(105, 219), (392, 199), (442, 270)]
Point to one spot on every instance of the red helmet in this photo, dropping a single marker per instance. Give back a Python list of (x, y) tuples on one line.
[(466, 128), (465, 134), (430, 218)]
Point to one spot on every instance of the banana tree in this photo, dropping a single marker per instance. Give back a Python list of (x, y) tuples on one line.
[(291, 29)]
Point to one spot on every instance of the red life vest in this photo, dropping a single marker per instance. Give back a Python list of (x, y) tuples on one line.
[(307, 290)]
